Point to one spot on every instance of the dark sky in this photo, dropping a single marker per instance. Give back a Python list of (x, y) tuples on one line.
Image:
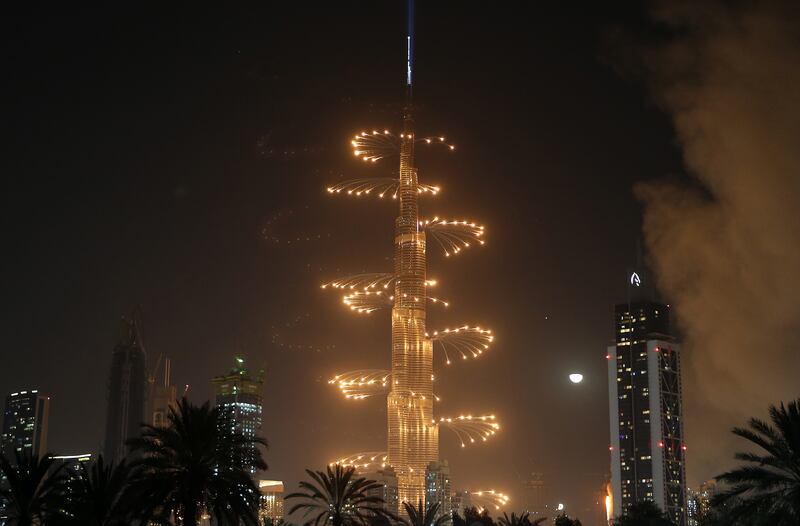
[(177, 158)]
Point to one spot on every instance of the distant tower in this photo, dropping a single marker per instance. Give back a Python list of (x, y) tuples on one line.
[(534, 491), (162, 396), (238, 395), (438, 488), (645, 407), (25, 423), (127, 384)]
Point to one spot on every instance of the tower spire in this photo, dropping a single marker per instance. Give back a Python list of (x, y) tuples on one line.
[(409, 53)]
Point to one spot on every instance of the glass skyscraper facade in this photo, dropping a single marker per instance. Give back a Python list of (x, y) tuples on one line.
[(238, 396), (438, 490), (127, 387), (645, 408), (25, 423)]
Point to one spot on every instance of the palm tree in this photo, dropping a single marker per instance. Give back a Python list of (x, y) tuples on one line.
[(194, 466), (421, 516), (767, 490), (473, 516), (101, 495), (337, 498), (640, 514), (565, 520), (523, 519), (34, 492)]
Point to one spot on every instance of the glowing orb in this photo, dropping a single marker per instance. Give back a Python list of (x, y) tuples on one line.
[(576, 378), (560, 506)]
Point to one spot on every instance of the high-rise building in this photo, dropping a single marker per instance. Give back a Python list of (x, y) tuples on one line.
[(462, 500), (535, 493), (437, 488), (271, 505), (387, 477), (698, 502), (412, 430), (25, 423), (127, 384), (645, 408), (692, 511), (238, 396), (162, 396)]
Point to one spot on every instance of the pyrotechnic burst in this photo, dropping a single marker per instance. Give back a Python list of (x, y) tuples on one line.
[(380, 185), (453, 236), (364, 461), (470, 429), (368, 301), (373, 280), (377, 145), (362, 383), (488, 498), (466, 341)]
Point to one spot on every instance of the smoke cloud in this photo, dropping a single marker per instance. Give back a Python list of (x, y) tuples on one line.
[(726, 247)]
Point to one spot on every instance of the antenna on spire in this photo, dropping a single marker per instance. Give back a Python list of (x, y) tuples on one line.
[(409, 51)]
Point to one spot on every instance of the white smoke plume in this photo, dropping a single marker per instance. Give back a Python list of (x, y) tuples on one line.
[(726, 250)]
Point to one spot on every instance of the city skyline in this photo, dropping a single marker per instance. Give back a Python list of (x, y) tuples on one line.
[(180, 162)]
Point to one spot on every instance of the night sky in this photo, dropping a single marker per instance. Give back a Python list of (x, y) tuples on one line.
[(177, 159)]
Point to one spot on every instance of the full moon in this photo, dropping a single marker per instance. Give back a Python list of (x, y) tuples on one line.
[(576, 378)]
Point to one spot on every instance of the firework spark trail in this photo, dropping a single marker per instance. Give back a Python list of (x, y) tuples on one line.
[(487, 498), (374, 146), (365, 460), (453, 236), (365, 281), (465, 340), (470, 428), (380, 185), (361, 383), (368, 301)]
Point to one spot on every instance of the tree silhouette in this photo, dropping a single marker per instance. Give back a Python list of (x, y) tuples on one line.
[(195, 465), (565, 520), (335, 497), (641, 513), (523, 519), (473, 517), (34, 491), (100, 495), (424, 516), (766, 490)]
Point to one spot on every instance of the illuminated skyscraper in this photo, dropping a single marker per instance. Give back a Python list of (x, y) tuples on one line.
[(25, 423), (413, 433), (438, 488), (271, 503), (127, 384), (238, 396), (645, 408)]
